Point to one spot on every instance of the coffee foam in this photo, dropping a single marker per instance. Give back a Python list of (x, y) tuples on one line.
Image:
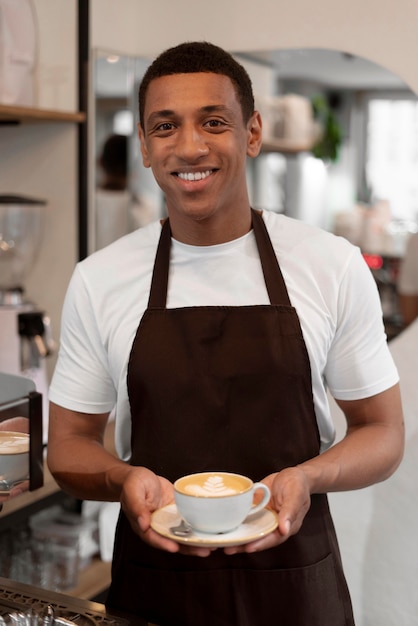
[(213, 485), (13, 443)]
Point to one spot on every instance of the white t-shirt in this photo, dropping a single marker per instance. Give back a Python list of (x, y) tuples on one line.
[(328, 282), (408, 275)]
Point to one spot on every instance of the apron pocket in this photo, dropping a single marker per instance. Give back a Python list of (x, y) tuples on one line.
[(307, 596), (315, 595)]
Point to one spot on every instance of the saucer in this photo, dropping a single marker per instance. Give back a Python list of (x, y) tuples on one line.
[(254, 527)]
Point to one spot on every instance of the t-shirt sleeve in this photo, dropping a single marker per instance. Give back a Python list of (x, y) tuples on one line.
[(359, 363), (81, 380)]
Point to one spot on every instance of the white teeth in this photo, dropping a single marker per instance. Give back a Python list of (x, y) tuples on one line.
[(194, 175)]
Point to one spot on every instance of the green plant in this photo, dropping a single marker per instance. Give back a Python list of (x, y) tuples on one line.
[(328, 145)]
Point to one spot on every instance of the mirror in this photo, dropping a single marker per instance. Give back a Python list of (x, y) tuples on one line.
[(21, 446), (373, 109), (356, 179), (377, 115)]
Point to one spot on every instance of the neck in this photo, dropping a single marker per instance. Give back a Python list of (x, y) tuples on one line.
[(212, 230)]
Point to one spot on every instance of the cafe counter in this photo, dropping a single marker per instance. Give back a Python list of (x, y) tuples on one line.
[(21, 599)]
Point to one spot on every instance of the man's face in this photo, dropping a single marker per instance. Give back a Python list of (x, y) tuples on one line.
[(196, 142)]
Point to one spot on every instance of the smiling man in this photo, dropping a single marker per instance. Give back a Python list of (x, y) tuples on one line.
[(197, 150), (216, 335)]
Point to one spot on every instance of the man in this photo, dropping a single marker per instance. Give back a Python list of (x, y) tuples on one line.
[(216, 335), (112, 197), (118, 211)]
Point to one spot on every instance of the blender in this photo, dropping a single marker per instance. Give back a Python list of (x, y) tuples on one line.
[(25, 333)]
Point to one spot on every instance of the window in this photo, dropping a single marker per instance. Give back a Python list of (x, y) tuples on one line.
[(392, 154)]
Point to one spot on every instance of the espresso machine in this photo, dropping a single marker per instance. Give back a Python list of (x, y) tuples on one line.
[(25, 333)]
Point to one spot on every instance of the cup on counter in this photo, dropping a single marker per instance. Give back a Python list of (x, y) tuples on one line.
[(217, 502), (14, 458)]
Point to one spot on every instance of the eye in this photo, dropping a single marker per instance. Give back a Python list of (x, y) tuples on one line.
[(215, 124), (165, 126)]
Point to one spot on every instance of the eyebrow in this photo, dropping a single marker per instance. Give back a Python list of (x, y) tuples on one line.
[(163, 113)]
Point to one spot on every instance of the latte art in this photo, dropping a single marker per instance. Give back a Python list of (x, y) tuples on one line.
[(213, 487)]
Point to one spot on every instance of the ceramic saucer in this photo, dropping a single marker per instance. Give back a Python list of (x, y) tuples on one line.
[(254, 527)]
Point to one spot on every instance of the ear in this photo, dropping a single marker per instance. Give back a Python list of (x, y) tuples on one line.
[(144, 151), (254, 128)]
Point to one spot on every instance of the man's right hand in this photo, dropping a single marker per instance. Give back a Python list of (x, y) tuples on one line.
[(144, 492)]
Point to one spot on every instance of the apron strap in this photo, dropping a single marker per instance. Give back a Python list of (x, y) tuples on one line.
[(159, 282), (273, 277)]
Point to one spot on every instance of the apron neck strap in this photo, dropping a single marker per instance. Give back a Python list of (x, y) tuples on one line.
[(273, 277), (159, 282)]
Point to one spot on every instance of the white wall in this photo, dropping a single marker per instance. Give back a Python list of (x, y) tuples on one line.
[(40, 159), (57, 54)]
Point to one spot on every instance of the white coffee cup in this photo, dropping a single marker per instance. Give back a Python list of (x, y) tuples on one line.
[(217, 502), (14, 458)]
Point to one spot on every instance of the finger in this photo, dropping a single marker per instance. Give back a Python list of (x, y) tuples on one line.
[(195, 551), (284, 525), (290, 519), (144, 520), (270, 541), (163, 543), (158, 541)]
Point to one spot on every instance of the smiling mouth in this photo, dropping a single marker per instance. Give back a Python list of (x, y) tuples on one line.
[(192, 176)]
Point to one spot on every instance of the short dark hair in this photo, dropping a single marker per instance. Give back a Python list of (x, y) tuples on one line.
[(114, 157), (199, 56)]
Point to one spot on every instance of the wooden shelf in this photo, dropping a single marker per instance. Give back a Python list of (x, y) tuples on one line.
[(92, 580), (29, 498), (17, 115)]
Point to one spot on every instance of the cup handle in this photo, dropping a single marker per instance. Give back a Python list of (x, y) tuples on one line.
[(257, 507)]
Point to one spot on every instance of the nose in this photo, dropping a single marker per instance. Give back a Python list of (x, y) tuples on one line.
[(191, 143)]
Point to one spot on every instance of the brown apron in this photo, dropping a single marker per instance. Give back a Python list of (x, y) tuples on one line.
[(226, 388)]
